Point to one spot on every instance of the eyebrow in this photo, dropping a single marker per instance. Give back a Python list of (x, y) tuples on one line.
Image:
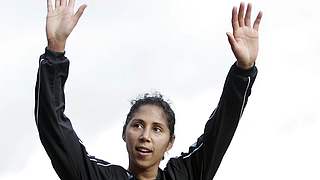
[(137, 120), (159, 124), (153, 123)]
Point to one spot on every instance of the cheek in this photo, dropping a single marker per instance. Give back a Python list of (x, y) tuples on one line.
[(162, 144), (130, 138)]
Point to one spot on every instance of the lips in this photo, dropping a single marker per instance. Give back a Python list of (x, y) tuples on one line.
[(143, 151)]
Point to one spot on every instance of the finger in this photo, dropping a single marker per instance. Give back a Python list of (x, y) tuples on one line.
[(57, 3), (49, 6), (247, 19), (231, 40), (79, 12), (71, 3), (257, 21), (234, 20), (240, 14), (63, 3)]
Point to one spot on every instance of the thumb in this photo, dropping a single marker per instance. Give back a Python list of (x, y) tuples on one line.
[(231, 40), (80, 12)]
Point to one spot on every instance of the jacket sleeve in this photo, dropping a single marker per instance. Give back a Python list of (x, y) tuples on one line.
[(68, 156), (204, 157)]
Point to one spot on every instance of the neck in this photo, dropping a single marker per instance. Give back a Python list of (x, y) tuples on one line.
[(149, 173)]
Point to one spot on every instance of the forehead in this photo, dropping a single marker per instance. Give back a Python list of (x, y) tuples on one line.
[(150, 113)]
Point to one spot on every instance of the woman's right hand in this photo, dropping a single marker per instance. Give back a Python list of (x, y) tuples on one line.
[(61, 20)]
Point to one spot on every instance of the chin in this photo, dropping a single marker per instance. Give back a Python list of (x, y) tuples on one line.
[(145, 163)]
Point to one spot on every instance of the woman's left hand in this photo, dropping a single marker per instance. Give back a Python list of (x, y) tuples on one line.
[(244, 40)]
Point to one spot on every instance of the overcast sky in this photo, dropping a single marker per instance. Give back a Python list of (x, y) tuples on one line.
[(122, 48)]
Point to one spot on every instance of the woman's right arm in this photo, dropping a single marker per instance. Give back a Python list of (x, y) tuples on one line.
[(66, 151)]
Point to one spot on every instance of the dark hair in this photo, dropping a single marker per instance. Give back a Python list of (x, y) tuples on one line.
[(152, 99)]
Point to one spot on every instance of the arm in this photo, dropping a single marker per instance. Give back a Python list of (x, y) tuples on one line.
[(66, 151), (205, 156), (68, 156)]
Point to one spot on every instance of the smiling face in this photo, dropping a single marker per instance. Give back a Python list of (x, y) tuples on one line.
[(147, 137)]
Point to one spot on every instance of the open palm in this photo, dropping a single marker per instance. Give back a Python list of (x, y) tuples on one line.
[(61, 20), (244, 40)]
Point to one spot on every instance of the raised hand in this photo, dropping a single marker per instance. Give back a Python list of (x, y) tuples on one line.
[(244, 40), (61, 20)]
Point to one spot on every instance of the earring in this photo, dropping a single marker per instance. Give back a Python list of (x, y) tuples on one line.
[(166, 154)]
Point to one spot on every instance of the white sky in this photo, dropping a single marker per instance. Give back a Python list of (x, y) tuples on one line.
[(123, 48)]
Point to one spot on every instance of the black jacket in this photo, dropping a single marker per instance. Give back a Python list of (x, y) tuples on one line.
[(71, 160)]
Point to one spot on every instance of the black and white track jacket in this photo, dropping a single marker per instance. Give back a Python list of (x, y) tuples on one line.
[(71, 160)]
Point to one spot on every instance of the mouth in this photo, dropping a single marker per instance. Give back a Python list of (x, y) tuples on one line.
[(143, 151)]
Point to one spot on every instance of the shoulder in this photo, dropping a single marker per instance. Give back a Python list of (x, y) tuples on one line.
[(109, 170), (176, 169)]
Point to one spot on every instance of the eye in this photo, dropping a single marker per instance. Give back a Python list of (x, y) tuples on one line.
[(137, 125), (157, 130)]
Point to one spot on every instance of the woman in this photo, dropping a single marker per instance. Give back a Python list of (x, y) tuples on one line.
[(149, 127)]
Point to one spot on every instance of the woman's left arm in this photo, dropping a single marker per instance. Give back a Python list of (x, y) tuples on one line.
[(204, 157)]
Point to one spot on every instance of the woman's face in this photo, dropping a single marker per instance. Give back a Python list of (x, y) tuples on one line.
[(147, 137)]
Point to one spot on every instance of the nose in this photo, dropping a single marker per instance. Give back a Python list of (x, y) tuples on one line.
[(145, 135)]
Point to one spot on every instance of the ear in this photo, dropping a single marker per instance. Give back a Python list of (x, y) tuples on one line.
[(171, 142), (124, 137)]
